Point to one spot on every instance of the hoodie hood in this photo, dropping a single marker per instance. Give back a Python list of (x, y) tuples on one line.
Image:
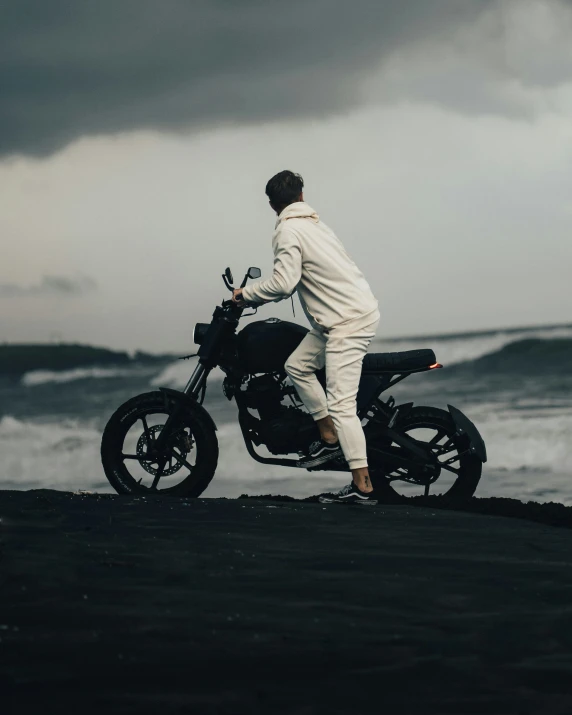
[(310, 258), (299, 209)]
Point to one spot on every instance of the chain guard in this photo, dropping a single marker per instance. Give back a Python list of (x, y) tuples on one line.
[(182, 441), (422, 475)]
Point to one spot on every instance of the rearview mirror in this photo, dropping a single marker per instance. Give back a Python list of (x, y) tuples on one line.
[(228, 274), (254, 272)]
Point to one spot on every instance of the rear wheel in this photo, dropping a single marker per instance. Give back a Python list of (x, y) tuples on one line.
[(455, 478), (131, 466)]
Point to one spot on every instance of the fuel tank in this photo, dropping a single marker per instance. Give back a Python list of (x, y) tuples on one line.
[(265, 345)]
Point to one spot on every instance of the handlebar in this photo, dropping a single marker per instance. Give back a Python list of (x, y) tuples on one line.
[(233, 307), (237, 310), (228, 275), (230, 304)]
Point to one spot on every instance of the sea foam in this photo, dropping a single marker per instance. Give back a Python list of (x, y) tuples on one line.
[(63, 455), (41, 377)]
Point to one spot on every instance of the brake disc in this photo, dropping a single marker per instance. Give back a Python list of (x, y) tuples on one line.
[(182, 441)]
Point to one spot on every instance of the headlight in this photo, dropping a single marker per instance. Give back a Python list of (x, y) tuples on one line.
[(199, 332)]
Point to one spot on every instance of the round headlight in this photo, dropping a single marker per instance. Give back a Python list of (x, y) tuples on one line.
[(199, 332)]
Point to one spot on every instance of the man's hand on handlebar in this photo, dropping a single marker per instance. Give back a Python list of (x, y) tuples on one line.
[(237, 297)]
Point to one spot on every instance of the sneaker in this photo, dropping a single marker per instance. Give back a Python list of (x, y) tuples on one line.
[(350, 494), (321, 452)]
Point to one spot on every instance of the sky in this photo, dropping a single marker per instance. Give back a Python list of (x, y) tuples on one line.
[(137, 136)]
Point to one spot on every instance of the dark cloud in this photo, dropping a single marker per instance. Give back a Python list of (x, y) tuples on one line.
[(99, 66), (50, 285)]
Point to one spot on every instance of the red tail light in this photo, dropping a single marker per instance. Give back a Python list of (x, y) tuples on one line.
[(436, 365)]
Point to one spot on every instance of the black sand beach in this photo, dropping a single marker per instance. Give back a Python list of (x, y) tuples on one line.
[(125, 605)]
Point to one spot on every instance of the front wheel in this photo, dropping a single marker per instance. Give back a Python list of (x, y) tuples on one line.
[(188, 461), (457, 477)]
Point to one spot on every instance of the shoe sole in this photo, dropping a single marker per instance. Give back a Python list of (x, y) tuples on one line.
[(368, 502), (320, 460)]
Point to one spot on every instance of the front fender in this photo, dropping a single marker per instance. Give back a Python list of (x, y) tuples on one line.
[(465, 426), (183, 398)]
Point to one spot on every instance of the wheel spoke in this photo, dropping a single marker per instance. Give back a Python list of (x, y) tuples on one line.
[(183, 460), (442, 468), (449, 468), (451, 460), (439, 450), (147, 431), (159, 474), (444, 448), (133, 454), (443, 452)]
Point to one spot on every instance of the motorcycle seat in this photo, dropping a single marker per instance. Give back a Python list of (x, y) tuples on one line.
[(405, 361)]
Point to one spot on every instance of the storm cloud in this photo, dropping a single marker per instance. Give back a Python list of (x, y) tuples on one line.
[(105, 66), (102, 66)]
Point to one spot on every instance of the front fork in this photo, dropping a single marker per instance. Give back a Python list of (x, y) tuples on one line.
[(196, 381), (192, 388)]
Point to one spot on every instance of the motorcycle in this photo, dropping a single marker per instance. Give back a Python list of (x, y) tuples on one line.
[(166, 442)]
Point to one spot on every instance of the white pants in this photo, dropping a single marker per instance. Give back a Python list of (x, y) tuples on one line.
[(341, 350)]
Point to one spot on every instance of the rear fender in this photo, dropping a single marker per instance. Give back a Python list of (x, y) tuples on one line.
[(404, 409), (465, 426), (182, 398)]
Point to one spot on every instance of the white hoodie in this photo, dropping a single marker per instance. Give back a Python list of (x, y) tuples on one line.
[(308, 257)]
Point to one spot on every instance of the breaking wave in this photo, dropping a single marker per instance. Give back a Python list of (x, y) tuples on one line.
[(502, 350), (177, 374), (41, 377), (62, 455), (468, 348), (530, 355), (526, 441)]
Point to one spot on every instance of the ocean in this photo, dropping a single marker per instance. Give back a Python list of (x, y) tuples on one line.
[(516, 385)]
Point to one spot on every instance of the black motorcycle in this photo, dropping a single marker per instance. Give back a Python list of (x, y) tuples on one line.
[(165, 441)]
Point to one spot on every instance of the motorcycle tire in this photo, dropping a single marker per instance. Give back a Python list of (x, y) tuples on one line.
[(469, 465), (194, 418)]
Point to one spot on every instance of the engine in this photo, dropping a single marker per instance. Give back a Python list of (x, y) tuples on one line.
[(283, 429)]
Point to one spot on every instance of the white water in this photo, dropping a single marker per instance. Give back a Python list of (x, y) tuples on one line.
[(520, 441), (65, 455), (177, 374), (49, 455), (41, 377)]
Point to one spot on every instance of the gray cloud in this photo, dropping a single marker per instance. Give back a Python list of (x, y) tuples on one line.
[(101, 66), (50, 285), (104, 66)]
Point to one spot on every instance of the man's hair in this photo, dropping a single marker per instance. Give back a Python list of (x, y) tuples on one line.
[(284, 188)]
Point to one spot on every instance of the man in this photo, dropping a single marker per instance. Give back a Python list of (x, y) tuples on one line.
[(344, 315)]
